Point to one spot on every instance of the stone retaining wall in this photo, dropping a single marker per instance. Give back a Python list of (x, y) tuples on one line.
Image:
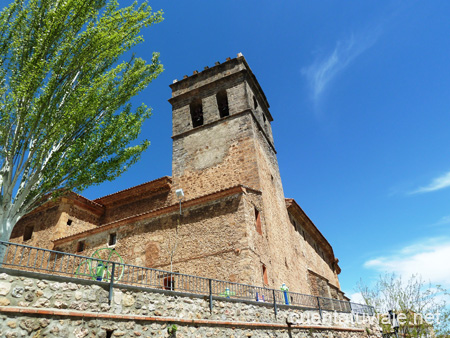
[(33, 305)]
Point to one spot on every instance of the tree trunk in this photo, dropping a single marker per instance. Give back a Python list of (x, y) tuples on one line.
[(6, 230)]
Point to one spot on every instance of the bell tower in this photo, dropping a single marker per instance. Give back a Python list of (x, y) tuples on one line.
[(221, 131), (222, 137)]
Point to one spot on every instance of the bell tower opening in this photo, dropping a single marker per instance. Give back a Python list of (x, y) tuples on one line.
[(196, 112), (222, 103)]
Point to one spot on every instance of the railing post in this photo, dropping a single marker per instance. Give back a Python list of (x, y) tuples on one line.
[(210, 295), (352, 312), (320, 308), (111, 283), (275, 303)]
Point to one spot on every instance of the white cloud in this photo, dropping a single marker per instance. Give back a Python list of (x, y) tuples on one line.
[(357, 298), (437, 183), (323, 70), (429, 259)]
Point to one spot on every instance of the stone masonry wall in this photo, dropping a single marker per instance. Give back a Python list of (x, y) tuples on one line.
[(137, 204), (211, 241), (51, 222), (33, 305), (285, 262), (313, 258), (237, 102), (215, 157)]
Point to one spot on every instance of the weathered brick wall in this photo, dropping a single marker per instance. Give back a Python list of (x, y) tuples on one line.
[(37, 306)]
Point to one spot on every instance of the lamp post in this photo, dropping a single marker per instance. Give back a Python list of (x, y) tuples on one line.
[(180, 196), (172, 248), (394, 322)]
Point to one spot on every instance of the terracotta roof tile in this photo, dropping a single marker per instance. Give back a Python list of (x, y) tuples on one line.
[(168, 180)]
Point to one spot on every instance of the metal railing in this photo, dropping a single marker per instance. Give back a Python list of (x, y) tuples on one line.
[(23, 257)]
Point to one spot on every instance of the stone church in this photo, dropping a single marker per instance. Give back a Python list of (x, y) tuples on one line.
[(234, 222)]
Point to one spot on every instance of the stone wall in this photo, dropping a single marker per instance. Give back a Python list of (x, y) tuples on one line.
[(215, 157), (33, 305), (137, 200), (209, 239), (63, 217), (139, 203)]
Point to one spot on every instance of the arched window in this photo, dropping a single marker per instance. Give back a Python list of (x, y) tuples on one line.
[(255, 103), (196, 112), (222, 103)]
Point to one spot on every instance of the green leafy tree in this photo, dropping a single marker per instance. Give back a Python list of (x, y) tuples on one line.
[(421, 308), (65, 120)]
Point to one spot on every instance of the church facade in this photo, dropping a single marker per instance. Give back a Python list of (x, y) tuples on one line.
[(234, 222)]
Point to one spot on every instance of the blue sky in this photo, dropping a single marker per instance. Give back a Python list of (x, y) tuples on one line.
[(360, 95)]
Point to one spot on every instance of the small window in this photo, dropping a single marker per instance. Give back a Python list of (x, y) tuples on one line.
[(81, 246), (196, 113), (222, 103), (69, 222), (264, 272), (109, 333), (28, 232), (112, 239), (258, 221), (255, 103), (264, 117)]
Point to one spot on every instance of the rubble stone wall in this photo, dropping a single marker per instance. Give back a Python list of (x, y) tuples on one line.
[(33, 305)]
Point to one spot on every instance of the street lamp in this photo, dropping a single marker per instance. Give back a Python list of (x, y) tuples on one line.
[(180, 196), (170, 282), (394, 322)]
